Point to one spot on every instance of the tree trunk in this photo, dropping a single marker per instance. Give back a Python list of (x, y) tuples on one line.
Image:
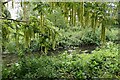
[(103, 33)]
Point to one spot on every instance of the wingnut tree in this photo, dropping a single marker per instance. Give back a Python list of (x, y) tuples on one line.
[(41, 21), (119, 19)]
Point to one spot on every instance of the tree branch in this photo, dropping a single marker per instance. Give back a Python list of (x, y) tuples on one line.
[(6, 1), (13, 20)]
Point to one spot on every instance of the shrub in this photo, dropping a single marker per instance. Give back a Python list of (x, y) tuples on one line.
[(74, 36), (77, 36), (102, 63)]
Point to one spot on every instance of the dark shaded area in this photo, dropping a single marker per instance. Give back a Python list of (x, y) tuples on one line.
[(88, 48), (8, 58)]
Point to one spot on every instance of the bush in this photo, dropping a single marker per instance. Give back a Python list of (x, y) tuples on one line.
[(112, 34), (77, 36), (103, 63)]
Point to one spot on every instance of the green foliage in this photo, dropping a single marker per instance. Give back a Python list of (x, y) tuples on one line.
[(4, 11), (6, 29), (11, 47), (71, 36), (103, 63), (57, 18), (48, 27), (49, 20), (21, 35), (112, 34), (77, 36)]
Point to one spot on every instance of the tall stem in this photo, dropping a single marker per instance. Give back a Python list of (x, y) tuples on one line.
[(103, 33)]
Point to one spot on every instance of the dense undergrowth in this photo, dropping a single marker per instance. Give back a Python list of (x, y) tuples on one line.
[(54, 25), (77, 36), (102, 63), (51, 25), (74, 36)]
